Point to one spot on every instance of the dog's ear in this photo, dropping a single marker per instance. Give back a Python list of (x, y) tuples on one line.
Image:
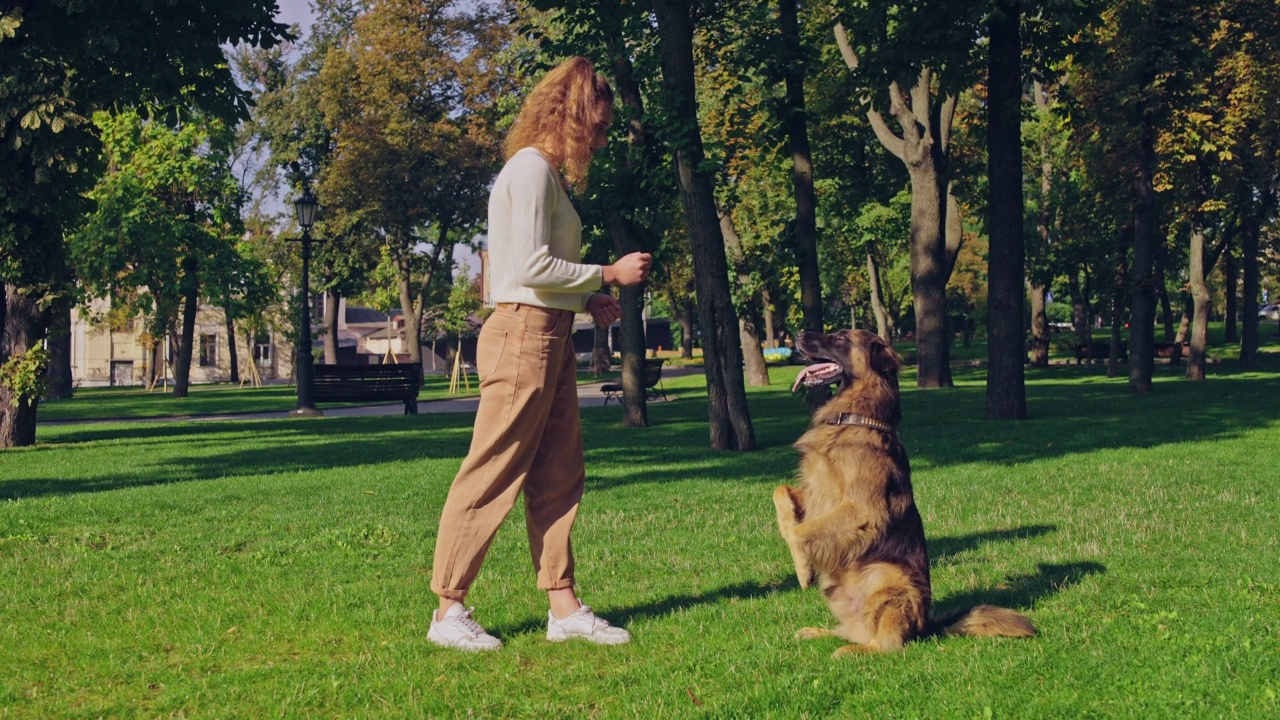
[(882, 358)]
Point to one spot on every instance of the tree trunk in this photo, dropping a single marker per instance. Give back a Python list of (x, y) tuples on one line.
[(332, 302), (1081, 320), (1162, 289), (233, 352), (795, 123), (929, 283), (635, 411), (1039, 324), (601, 354), (412, 315), (627, 238), (924, 148), (1231, 271), (1184, 328), (1037, 284), (1249, 294), (1117, 314), (60, 381), (752, 353), (1142, 324), (1200, 298), (729, 418), (770, 337), (190, 304), (1006, 351), (685, 317), (24, 328), (884, 321)]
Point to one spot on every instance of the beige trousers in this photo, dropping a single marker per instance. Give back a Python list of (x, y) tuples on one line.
[(528, 437)]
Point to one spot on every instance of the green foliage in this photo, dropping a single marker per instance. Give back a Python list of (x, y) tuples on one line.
[(66, 60), (464, 303), (168, 195), (25, 375)]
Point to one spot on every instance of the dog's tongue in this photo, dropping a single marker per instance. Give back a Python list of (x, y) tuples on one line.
[(817, 374)]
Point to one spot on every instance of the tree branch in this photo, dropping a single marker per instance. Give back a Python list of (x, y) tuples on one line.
[(946, 116), (954, 230), (920, 93), (846, 50), (888, 139)]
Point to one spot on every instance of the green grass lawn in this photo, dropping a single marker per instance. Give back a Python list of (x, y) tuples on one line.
[(281, 568)]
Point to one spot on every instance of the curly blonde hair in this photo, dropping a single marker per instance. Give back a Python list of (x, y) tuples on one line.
[(562, 117)]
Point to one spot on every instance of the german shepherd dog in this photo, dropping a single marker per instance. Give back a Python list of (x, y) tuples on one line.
[(853, 524)]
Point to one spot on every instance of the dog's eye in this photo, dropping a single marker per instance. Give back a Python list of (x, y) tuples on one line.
[(842, 335)]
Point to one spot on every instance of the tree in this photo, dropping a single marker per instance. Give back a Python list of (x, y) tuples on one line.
[(729, 417), (288, 125), (63, 61), (165, 224), (1006, 387), (924, 115), (416, 145), (795, 120)]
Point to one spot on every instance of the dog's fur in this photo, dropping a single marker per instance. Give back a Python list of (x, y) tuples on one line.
[(853, 522)]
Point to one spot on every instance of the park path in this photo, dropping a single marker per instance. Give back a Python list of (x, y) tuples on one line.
[(589, 395)]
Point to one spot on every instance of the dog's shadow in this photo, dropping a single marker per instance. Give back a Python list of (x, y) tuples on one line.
[(1022, 591), (942, 549), (1017, 592)]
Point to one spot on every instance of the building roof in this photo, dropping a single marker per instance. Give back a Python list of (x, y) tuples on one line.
[(366, 316)]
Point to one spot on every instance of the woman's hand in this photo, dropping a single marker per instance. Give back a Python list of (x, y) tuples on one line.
[(630, 269), (605, 309)]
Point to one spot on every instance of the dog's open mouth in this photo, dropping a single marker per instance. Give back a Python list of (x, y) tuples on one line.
[(819, 373)]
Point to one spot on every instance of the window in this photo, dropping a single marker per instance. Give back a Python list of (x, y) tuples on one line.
[(208, 350), (317, 308), (262, 349)]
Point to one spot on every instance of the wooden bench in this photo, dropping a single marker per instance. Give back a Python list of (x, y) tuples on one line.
[(652, 383), (357, 383), (1100, 350)]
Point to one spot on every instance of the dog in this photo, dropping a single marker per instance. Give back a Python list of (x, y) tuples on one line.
[(853, 525)]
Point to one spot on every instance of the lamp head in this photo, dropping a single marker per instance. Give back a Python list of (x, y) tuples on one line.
[(306, 207)]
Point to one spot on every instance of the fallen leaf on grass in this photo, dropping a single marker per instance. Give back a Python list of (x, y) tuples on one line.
[(693, 697)]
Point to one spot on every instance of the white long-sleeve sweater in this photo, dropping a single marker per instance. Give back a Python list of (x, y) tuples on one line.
[(535, 239)]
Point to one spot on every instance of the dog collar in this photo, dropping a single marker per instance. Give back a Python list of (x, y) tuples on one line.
[(854, 419)]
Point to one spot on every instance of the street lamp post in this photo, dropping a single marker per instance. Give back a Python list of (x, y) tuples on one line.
[(306, 207)]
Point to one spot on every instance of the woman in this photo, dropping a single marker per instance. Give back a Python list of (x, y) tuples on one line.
[(527, 435)]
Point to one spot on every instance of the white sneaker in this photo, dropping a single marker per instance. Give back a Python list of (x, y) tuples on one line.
[(584, 624), (457, 630)]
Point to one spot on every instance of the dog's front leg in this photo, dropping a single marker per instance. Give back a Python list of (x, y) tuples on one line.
[(842, 532), (789, 503)]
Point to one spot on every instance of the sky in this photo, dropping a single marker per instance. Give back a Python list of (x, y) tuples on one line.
[(295, 11)]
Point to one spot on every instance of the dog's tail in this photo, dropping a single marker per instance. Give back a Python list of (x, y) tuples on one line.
[(985, 621)]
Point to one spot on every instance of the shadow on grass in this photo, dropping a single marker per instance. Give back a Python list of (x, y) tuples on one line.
[(1049, 579), (1022, 591), (186, 452), (942, 549), (1069, 415), (1073, 411), (665, 606)]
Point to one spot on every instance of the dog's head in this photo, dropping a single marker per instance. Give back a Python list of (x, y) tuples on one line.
[(845, 356)]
